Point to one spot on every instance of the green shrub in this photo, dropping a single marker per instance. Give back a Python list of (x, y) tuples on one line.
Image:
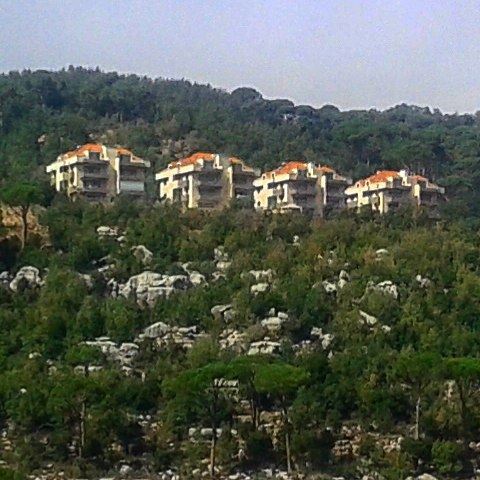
[(447, 456)]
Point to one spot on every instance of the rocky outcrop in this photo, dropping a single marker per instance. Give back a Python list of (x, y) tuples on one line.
[(275, 321), (166, 336), (123, 353), (223, 312), (387, 287), (103, 231), (366, 319), (230, 339), (147, 287), (265, 347), (260, 276), (325, 339), (142, 254), (26, 278), (156, 330), (332, 286), (259, 288), (423, 282)]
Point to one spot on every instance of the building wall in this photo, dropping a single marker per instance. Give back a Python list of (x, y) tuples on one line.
[(303, 188), (393, 192), (204, 183), (96, 175)]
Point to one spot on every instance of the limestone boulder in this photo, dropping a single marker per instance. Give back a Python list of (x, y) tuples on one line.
[(142, 254), (104, 231), (26, 278), (259, 288)]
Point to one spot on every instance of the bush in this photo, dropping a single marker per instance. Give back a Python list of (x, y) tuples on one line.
[(446, 456), (417, 449), (258, 449), (8, 474)]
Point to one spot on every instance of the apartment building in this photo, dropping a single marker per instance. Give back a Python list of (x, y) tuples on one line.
[(206, 180), (98, 173), (388, 190), (302, 187)]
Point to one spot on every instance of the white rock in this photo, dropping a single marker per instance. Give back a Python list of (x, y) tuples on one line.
[(329, 286), (273, 324), (87, 279), (142, 254), (259, 288), (381, 252), (156, 330), (423, 282), (125, 470), (222, 266), (224, 312), (219, 254), (261, 276), (386, 287), (196, 278), (263, 347), (368, 319), (148, 286), (343, 275), (5, 278), (27, 276), (104, 231), (327, 340)]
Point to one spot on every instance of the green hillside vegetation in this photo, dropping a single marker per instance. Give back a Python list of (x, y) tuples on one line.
[(397, 297), (45, 113)]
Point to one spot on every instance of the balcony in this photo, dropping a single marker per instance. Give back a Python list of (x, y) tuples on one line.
[(95, 188), (137, 176), (133, 187), (93, 173)]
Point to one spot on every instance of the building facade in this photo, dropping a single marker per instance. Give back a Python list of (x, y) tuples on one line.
[(99, 173), (302, 187), (206, 180), (388, 190)]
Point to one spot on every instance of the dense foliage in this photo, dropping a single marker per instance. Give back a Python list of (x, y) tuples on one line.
[(374, 377), (399, 363), (44, 113)]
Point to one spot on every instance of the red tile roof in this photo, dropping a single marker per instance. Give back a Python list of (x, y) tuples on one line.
[(379, 177), (123, 151), (192, 159), (419, 178), (288, 167), (325, 169), (88, 147)]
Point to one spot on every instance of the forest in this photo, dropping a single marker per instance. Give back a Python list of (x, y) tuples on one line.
[(137, 340)]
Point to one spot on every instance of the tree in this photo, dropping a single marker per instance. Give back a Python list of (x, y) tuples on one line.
[(466, 374), (417, 370), (281, 382), (20, 196), (201, 395)]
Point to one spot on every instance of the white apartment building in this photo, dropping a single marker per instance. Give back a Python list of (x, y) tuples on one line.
[(96, 172), (300, 186), (206, 180)]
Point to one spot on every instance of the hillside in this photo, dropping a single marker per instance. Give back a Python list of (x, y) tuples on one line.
[(43, 113), (139, 341), (140, 328)]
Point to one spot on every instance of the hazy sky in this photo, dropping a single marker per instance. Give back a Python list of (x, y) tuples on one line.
[(354, 54)]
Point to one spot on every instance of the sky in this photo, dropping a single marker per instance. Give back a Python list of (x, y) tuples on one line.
[(353, 54)]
